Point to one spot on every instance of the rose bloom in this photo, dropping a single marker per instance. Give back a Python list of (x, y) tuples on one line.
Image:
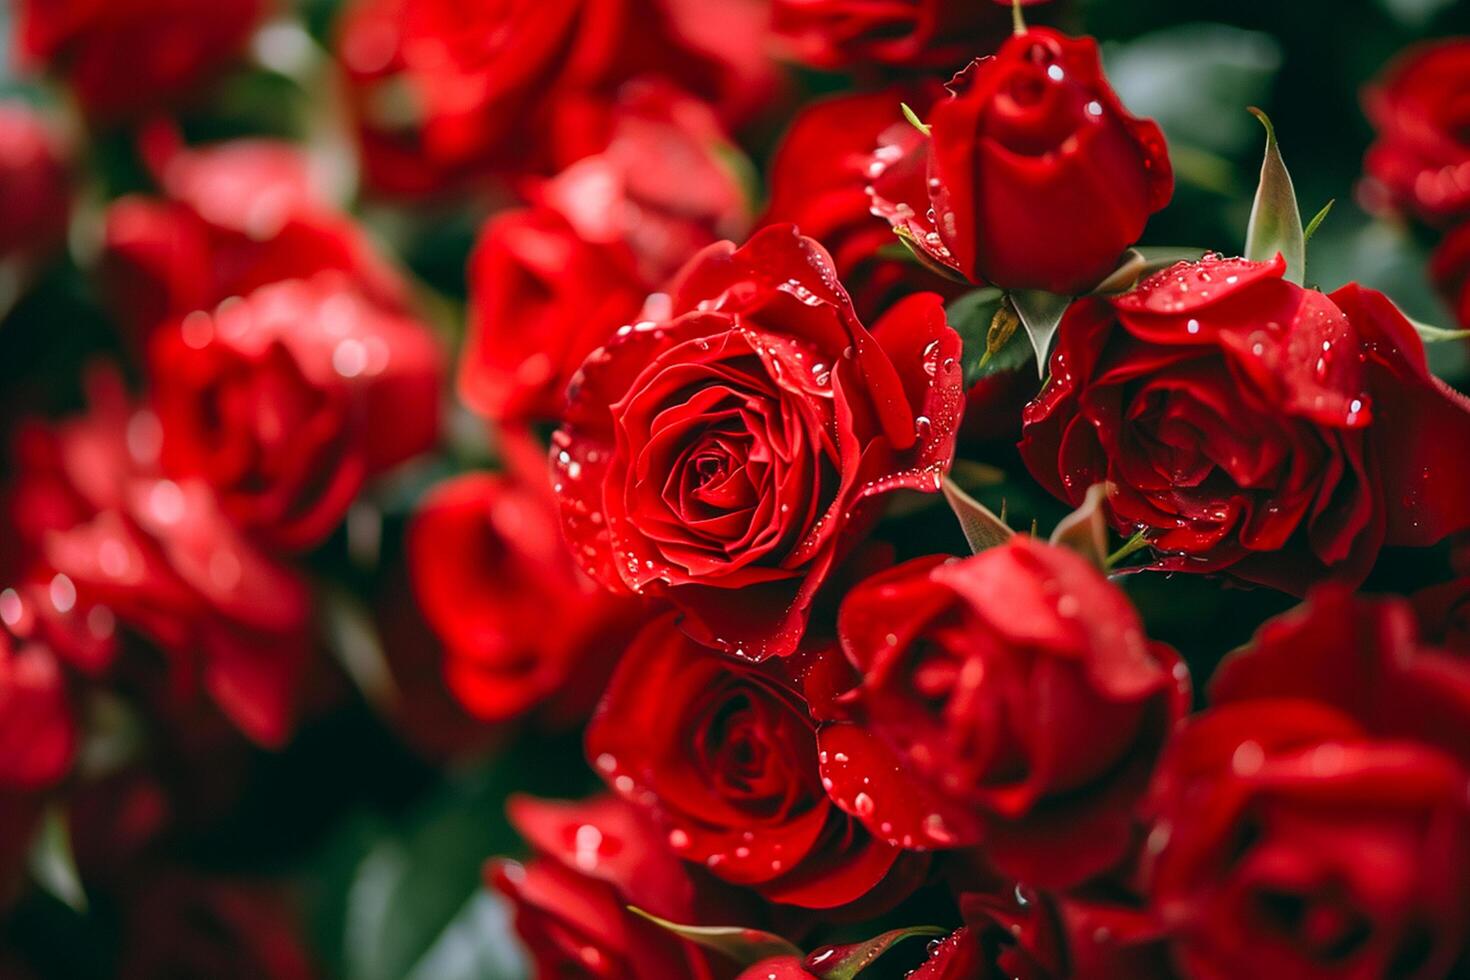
[(285, 401), (235, 216), (898, 33), (551, 282), (728, 451), (1314, 821), (818, 181), (126, 57), (592, 860), (1248, 425), (38, 733), (522, 627), (1421, 158), (161, 558), (1038, 178), (727, 755), (1450, 269), (1008, 701), (1052, 937), (443, 90), (35, 188)]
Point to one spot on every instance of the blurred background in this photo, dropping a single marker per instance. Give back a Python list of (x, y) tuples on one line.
[(374, 822)]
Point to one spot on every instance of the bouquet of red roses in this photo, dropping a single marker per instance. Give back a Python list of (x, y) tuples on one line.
[(665, 489)]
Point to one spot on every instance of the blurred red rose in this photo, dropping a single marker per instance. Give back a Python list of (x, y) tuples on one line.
[(236, 216), (726, 453), (444, 90), (285, 401), (550, 283), (1038, 178), (819, 179), (1008, 701), (179, 924), (38, 731), (1052, 937), (1421, 158), (35, 187), (1450, 269), (898, 33), (1315, 820), (593, 859), (162, 558), (125, 57), (523, 628), (1250, 425), (727, 756)]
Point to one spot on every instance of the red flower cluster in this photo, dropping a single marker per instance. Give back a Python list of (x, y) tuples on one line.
[(691, 508)]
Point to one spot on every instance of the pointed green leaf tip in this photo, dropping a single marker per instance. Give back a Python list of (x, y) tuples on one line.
[(1040, 314), (1316, 222), (745, 946), (913, 118), (846, 962), (1276, 222), (983, 529)]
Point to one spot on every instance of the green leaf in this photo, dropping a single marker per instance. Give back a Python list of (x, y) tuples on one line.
[(1040, 313), (1276, 222), (1136, 543), (1436, 335), (971, 316), (745, 946), (1142, 261), (847, 961), (983, 529), (1316, 222), (351, 635), (1085, 530), (913, 118), (51, 862)]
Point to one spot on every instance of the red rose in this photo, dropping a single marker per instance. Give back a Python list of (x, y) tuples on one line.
[(1008, 701), (1314, 821), (1421, 158), (1047, 937), (35, 191), (727, 756), (1247, 424), (901, 33), (819, 179), (1038, 177), (38, 734), (594, 859), (179, 924), (1450, 269), (285, 401), (124, 57), (521, 626), (161, 558), (443, 89), (237, 216), (726, 453), (550, 283)]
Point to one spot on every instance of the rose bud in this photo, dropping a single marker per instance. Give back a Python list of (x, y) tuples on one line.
[(522, 627), (1038, 178), (162, 560), (595, 858), (819, 180), (903, 33), (285, 401), (727, 756), (236, 216), (1008, 701), (179, 924), (1450, 270), (1314, 821), (123, 59), (728, 451), (1056, 937), (1420, 160), (1248, 425), (35, 191), (443, 90)]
